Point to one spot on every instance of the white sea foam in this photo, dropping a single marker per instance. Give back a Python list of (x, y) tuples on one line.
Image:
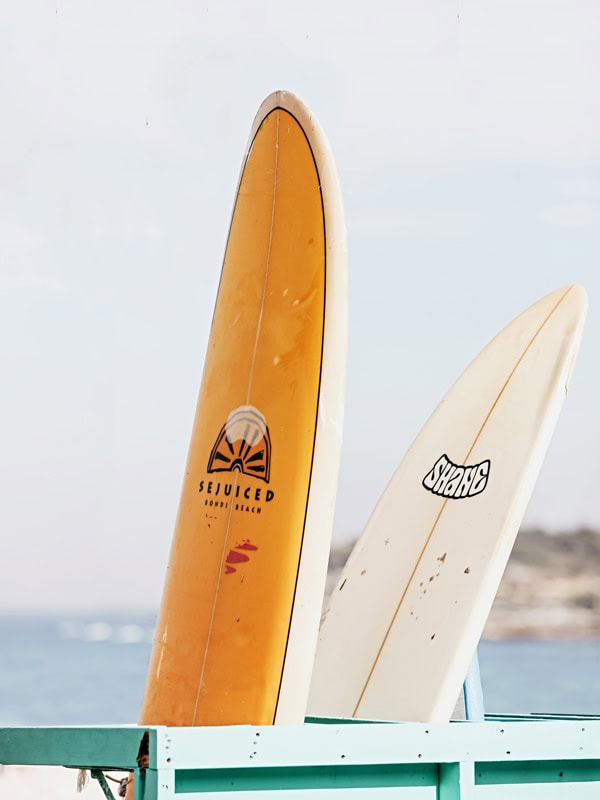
[(97, 631), (103, 631), (130, 634)]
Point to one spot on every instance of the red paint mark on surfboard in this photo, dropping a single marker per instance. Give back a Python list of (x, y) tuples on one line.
[(236, 557), (246, 545)]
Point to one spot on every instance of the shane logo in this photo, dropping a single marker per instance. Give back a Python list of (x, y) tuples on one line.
[(454, 481), (243, 444)]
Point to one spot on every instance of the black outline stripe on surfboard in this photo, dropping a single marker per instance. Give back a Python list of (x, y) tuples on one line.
[(312, 459)]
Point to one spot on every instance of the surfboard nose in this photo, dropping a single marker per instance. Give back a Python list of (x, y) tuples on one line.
[(576, 299), (573, 297)]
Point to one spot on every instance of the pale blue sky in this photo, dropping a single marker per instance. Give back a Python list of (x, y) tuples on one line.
[(467, 137)]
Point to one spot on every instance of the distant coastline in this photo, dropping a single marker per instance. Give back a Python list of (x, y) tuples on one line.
[(550, 588)]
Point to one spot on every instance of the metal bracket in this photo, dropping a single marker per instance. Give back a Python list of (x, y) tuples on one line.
[(98, 775)]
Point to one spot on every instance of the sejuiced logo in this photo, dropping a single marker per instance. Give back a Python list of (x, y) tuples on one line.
[(454, 481), (244, 446)]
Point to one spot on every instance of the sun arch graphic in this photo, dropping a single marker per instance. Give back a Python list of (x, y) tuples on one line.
[(243, 444)]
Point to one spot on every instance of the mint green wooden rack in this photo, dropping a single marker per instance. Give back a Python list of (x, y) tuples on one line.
[(517, 758)]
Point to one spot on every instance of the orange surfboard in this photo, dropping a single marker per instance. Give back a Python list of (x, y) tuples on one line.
[(238, 623)]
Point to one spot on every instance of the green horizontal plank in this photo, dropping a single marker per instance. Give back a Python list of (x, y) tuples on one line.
[(506, 772), (533, 717), (541, 717), (279, 778), (323, 745), (346, 721), (103, 747)]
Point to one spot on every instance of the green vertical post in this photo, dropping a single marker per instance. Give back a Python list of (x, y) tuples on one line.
[(457, 781), (158, 784)]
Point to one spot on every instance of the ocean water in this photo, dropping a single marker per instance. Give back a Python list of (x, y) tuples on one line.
[(90, 670)]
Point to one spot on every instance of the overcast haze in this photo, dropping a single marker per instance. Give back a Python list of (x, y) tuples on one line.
[(467, 137)]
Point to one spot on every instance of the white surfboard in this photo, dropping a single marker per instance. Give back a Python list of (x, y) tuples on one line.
[(403, 623)]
